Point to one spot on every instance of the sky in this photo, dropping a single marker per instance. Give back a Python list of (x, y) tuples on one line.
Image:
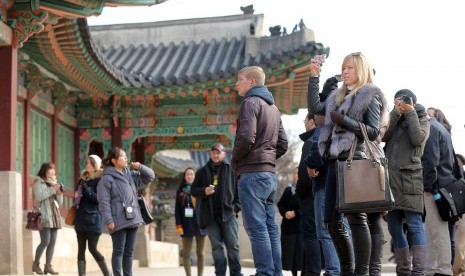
[(419, 45)]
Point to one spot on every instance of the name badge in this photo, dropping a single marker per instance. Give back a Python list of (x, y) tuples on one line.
[(188, 212)]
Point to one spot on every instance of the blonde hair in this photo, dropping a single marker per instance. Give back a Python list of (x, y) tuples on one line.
[(364, 73), (254, 72)]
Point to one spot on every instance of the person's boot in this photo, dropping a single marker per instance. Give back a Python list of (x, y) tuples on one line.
[(343, 246), (361, 240), (81, 268), (49, 270), (36, 268), (104, 268), (418, 259), (403, 261), (376, 257)]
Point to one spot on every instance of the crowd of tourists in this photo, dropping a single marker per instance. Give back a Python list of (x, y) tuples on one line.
[(316, 236)]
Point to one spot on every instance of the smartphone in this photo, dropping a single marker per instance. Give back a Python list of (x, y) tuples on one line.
[(407, 99), (320, 58)]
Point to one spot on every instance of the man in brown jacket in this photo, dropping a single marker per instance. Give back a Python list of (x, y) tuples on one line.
[(260, 140)]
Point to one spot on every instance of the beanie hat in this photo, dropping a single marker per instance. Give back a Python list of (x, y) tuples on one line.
[(98, 161), (406, 92)]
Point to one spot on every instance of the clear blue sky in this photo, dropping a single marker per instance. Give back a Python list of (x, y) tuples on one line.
[(418, 45)]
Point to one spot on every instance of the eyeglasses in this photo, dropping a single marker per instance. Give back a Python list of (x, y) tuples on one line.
[(356, 53)]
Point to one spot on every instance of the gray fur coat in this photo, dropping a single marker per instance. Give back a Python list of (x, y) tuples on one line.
[(354, 107)]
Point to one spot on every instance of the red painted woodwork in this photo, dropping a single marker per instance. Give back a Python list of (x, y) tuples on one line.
[(8, 87)]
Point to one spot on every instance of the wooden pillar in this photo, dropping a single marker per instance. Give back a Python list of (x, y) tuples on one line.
[(8, 93), (11, 213), (116, 134), (139, 148)]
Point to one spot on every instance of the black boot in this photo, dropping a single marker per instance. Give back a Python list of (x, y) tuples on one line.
[(361, 239), (376, 258), (343, 246), (104, 268), (81, 268)]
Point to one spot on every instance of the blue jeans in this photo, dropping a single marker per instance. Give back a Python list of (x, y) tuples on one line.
[(415, 228), (220, 233), (257, 192), (308, 233), (327, 246), (124, 242)]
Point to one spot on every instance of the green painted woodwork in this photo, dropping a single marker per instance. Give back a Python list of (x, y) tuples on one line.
[(133, 2), (77, 8), (86, 136), (173, 134), (65, 156), (19, 137), (40, 150)]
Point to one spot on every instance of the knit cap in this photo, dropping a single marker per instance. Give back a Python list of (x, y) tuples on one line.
[(98, 161), (406, 92)]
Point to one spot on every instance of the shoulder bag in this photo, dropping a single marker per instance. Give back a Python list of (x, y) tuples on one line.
[(144, 210), (363, 185), (34, 220), (71, 215)]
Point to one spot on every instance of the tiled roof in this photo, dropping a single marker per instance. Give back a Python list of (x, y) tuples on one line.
[(154, 65)]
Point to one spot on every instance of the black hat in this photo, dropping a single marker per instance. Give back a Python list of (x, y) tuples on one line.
[(406, 92), (219, 147)]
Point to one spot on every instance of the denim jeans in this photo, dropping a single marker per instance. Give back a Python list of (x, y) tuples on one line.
[(415, 228), (220, 233), (327, 246), (308, 233), (257, 192), (124, 242)]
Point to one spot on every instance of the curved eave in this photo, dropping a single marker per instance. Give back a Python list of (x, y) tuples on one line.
[(66, 50), (116, 3)]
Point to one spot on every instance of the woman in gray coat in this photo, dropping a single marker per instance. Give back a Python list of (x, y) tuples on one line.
[(48, 197), (117, 196)]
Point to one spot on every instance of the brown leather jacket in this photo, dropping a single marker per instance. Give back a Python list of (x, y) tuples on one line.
[(260, 136)]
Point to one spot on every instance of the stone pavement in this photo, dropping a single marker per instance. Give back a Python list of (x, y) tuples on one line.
[(388, 270)]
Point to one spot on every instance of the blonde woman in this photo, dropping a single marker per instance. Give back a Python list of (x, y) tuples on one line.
[(358, 100)]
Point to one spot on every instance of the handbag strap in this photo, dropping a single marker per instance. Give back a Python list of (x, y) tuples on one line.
[(366, 140)]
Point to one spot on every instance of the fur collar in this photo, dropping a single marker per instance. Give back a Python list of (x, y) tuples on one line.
[(86, 176), (354, 106)]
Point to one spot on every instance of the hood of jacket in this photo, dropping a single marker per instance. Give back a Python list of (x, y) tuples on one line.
[(86, 176), (262, 92)]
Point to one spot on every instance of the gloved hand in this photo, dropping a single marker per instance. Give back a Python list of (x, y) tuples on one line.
[(179, 230), (330, 85), (336, 117)]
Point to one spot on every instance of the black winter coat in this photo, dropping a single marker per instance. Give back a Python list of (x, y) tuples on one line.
[(226, 182), (189, 225), (289, 202), (88, 217)]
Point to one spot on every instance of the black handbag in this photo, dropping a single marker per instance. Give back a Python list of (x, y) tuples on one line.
[(363, 185), (451, 200), (34, 220), (145, 210)]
